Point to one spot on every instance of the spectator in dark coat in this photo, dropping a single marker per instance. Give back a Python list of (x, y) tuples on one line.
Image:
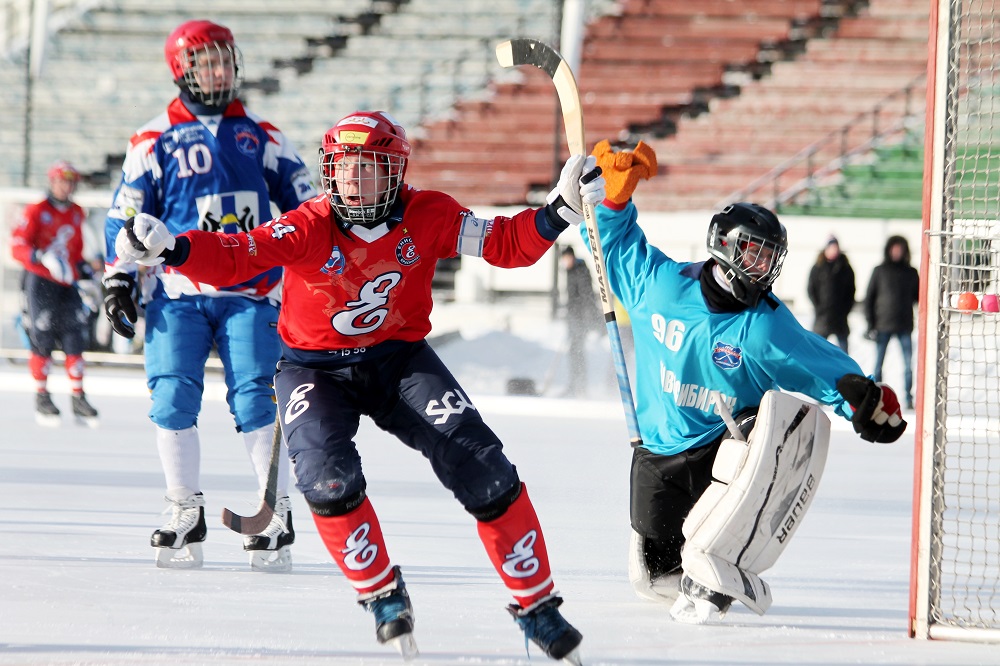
[(893, 290), (582, 316), (831, 290)]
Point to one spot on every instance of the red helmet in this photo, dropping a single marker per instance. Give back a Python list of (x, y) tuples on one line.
[(204, 59), (63, 170), (370, 137)]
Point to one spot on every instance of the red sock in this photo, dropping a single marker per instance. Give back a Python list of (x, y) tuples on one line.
[(39, 367), (74, 370), (516, 547), (355, 541)]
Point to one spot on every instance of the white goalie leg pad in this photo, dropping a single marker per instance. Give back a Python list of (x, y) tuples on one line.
[(761, 490), (663, 589)]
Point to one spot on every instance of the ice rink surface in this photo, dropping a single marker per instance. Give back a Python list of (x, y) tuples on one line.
[(78, 584)]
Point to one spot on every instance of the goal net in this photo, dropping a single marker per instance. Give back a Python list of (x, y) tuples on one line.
[(955, 582)]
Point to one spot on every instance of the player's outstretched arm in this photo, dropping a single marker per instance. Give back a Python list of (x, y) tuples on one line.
[(877, 417)]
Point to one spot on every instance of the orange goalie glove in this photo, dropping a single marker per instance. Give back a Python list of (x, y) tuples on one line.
[(622, 170)]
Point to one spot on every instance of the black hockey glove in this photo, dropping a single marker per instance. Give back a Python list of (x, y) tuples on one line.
[(119, 303), (877, 417)]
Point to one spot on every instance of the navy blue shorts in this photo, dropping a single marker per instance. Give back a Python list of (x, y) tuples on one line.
[(407, 392)]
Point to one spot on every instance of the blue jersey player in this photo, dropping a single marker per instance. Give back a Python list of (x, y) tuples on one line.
[(710, 341), (206, 163)]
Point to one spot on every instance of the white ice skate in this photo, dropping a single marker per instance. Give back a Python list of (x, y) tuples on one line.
[(269, 551), (178, 542)]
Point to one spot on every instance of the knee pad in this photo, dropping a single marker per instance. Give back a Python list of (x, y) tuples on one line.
[(494, 510), (760, 492), (176, 403)]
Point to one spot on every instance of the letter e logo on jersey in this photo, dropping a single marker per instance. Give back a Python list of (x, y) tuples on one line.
[(521, 561), (406, 252), (727, 357)]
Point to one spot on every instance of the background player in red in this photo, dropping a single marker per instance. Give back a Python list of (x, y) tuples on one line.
[(357, 301), (48, 242)]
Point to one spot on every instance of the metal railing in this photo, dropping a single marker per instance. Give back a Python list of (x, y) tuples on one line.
[(771, 182)]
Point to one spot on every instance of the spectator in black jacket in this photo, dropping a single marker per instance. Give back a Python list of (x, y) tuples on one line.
[(893, 290), (582, 316), (831, 290)]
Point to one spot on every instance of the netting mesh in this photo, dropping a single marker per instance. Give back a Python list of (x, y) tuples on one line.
[(965, 529)]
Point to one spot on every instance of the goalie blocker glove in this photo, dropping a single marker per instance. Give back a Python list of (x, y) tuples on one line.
[(119, 304), (877, 417)]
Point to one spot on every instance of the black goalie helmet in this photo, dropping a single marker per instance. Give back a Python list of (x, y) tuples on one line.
[(750, 245)]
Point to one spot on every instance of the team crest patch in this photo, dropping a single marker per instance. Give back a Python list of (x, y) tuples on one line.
[(406, 252), (335, 264), (727, 357), (246, 141)]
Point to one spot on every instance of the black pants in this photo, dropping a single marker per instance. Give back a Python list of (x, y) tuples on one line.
[(664, 489), (55, 316), (408, 393)]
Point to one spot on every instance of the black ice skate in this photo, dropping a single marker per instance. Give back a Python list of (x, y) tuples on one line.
[(393, 615), (46, 413), (269, 550), (83, 411), (178, 543), (545, 626)]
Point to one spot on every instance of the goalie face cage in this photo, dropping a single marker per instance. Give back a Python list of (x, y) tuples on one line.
[(955, 575)]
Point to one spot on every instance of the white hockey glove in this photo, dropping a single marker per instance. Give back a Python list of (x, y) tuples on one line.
[(143, 240), (58, 266), (580, 182)]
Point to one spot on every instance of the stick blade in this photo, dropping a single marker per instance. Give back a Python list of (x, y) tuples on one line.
[(516, 52), (247, 525), (538, 54)]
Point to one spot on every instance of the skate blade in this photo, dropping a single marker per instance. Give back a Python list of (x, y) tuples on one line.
[(48, 420), (573, 657), (88, 421), (405, 645), (188, 557), (695, 611), (271, 561)]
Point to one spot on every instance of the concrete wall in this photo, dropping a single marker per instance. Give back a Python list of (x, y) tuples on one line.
[(682, 237)]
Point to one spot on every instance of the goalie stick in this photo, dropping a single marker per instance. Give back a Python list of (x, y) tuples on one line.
[(537, 54), (256, 523)]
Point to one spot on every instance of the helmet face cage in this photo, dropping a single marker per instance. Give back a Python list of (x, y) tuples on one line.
[(213, 72), (362, 164), (750, 245), (374, 173)]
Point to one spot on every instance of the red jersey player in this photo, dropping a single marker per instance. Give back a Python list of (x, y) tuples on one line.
[(357, 298), (48, 242)]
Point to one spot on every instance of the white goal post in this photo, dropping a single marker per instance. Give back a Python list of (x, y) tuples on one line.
[(955, 572)]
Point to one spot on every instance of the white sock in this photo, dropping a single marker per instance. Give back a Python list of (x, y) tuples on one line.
[(180, 457), (258, 443)]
